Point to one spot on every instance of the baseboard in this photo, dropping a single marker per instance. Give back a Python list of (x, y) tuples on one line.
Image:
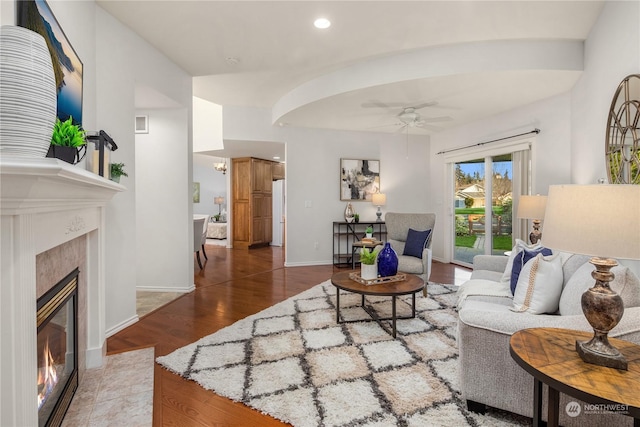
[(306, 263), (442, 260), (122, 325), (164, 289), (95, 356)]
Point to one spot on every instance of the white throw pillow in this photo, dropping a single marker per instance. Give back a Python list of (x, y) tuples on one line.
[(624, 283), (539, 285), (517, 248)]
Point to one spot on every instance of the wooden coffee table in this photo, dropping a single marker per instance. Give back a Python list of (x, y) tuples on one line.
[(549, 354), (410, 286)]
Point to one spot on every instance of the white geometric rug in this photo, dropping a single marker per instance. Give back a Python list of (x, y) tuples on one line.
[(295, 363)]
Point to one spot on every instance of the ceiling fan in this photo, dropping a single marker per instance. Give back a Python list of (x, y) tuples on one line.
[(408, 116)]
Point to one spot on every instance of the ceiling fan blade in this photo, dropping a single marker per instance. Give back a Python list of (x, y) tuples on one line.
[(436, 119), (374, 103), (425, 104), (430, 127), (382, 126), (401, 128)]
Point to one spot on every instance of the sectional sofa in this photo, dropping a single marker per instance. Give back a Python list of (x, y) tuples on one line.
[(488, 374)]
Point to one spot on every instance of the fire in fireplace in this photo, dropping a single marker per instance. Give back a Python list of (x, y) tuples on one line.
[(57, 350)]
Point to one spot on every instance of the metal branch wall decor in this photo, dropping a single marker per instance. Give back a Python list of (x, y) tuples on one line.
[(623, 133)]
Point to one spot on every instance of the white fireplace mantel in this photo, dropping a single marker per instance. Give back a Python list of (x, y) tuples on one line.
[(44, 203)]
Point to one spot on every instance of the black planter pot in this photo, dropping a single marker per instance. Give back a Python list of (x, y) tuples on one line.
[(68, 154)]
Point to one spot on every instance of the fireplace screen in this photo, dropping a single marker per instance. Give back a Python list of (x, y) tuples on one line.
[(57, 350)]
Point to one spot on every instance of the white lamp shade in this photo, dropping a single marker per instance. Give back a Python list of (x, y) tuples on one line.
[(379, 199), (218, 200), (532, 207), (597, 220)]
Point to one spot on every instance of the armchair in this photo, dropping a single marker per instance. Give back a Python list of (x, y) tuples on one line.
[(398, 225)]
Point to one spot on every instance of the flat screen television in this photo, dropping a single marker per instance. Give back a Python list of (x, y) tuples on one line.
[(67, 67)]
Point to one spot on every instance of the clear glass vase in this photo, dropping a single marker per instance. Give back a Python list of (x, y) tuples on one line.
[(349, 213)]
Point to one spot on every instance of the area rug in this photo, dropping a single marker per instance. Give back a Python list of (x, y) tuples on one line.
[(293, 362)]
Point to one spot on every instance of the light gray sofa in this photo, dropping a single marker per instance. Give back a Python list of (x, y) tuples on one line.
[(488, 374)]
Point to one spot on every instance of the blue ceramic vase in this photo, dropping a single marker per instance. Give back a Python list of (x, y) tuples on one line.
[(387, 261)]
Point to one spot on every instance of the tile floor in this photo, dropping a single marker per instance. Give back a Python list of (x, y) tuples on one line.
[(120, 393), (147, 301)]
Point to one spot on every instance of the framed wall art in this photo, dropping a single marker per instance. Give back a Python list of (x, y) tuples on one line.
[(359, 179), (37, 16), (196, 192)]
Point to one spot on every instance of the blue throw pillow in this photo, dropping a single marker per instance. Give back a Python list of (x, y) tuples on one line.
[(416, 242), (520, 260)]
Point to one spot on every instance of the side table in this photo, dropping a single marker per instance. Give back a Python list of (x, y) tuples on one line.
[(549, 355)]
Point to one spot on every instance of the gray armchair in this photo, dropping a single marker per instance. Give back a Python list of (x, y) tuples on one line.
[(398, 225)]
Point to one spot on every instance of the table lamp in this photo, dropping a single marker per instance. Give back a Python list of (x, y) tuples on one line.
[(379, 199), (601, 221), (532, 207), (219, 201)]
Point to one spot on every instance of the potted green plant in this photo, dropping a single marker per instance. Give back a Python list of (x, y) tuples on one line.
[(117, 170), (369, 232), (368, 267), (68, 141), (356, 218)]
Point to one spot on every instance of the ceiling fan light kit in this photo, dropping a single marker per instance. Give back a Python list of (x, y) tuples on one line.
[(409, 117)]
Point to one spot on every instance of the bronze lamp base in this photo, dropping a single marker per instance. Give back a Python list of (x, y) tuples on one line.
[(535, 235), (603, 309)]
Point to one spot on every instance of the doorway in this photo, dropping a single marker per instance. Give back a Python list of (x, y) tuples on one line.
[(278, 194)]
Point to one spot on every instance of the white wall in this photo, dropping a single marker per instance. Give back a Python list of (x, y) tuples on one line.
[(160, 166), (550, 157), (114, 59), (207, 125), (570, 147), (212, 184), (124, 59), (612, 52), (313, 175)]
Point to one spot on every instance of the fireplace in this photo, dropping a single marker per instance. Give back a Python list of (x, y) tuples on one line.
[(57, 350), (52, 220)]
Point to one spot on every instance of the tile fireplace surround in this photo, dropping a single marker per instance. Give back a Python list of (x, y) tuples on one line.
[(46, 204)]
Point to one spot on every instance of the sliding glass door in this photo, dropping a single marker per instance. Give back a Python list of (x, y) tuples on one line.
[(482, 205)]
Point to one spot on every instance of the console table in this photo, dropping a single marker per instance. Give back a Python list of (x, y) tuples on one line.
[(549, 355), (346, 233)]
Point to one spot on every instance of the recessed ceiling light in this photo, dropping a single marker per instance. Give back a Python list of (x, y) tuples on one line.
[(322, 23), (276, 157), (232, 60)]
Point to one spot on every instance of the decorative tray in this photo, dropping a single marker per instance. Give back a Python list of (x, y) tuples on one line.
[(378, 280)]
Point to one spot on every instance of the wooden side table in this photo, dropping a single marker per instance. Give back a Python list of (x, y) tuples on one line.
[(549, 355)]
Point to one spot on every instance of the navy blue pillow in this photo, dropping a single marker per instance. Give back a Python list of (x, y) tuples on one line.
[(416, 242), (520, 260)]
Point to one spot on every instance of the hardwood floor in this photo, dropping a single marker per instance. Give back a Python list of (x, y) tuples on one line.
[(233, 284)]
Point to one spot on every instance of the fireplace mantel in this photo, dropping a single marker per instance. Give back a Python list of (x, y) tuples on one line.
[(46, 185), (43, 204)]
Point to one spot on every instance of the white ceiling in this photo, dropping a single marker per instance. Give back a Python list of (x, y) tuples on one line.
[(472, 59)]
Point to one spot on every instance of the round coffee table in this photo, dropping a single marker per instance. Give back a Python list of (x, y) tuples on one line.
[(410, 286)]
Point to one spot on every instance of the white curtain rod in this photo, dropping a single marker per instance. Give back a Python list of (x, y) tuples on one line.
[(536, 131)]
